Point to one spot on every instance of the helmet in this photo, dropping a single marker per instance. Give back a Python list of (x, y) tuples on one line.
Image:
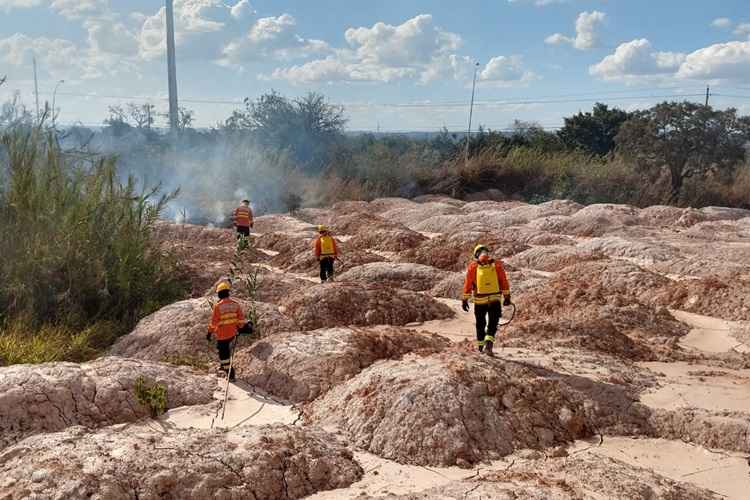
[(322, 228), (478, 249), (223, 286)]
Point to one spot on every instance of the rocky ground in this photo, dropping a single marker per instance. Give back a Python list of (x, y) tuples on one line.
[(625, 372)]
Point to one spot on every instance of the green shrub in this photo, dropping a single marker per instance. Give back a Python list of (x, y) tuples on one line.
[(81, 261), (152, 396)]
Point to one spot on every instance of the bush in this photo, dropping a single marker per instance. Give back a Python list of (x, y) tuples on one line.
[(152, 396), (81, 265)]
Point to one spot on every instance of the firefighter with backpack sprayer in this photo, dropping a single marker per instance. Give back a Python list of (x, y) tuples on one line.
[(227, 320), (487, 284), (326, 252)]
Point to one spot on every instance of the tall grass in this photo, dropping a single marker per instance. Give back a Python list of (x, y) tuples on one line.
[(523, 172), (78, 260)]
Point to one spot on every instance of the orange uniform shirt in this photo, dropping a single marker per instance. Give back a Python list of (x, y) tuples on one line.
[(226, 318), (243, 216)]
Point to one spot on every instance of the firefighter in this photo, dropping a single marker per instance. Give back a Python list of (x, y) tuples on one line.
[(326, 252), (486, 283), (242, 217), (227, 320)]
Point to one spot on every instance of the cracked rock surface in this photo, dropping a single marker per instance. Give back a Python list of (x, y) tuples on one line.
[(179, 329), (344, 303), (300, 366), (270, 462), (452, 408), (415, 277), (52, 396)]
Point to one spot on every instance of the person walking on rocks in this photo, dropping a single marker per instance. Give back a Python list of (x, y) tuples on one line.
[(487, 283), (227, 319), (326, 252), (242, 217)]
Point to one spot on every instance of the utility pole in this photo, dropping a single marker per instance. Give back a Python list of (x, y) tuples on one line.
[(708, 93), (36, 90), (171, 67), (471, 112)]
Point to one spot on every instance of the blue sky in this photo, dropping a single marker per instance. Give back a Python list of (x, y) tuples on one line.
[(397, 65)]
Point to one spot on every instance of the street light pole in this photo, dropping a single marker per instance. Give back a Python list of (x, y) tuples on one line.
[(471, 112), (54, 94)]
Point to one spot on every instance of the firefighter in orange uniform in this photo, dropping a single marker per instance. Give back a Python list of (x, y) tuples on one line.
[(242, 217), (226, 320), (487, 283), (326, 252)]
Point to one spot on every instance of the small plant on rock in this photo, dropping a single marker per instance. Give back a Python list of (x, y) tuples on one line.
[(153, 397)]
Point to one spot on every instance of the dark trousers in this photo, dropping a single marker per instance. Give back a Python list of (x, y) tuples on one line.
[(243, 231), (326, 268), (493, 311), (225, 353)]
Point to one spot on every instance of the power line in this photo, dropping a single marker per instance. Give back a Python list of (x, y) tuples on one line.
[(449, 104)]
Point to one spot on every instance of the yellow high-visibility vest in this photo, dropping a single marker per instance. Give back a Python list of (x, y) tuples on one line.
[(326, 246), (487, 282)]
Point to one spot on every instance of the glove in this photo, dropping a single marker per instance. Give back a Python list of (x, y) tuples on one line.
[(246, 329), (208, 336), (465, 305), (506, 300)]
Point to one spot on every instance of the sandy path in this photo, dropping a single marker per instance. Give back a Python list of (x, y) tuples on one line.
[(383, 477), (725, 473), (709, 334), (690, 385), (245, 407)]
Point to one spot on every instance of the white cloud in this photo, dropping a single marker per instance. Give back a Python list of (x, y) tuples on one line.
[(242, 10), (587, 36), (8, 5), (415, 42), (505, 70), (274, 38), (334, 69), (743, 30), (721, 22), (198, 29), (558, 39), (415, 49), (56, 58), (636, 59), (107, 35), (722, 61), (77, 9)]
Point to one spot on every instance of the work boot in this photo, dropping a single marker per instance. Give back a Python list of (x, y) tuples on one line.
[(231, 375), (488, 348), (480, 348)]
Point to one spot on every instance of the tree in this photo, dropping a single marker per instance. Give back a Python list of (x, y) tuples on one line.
[(307, 127), (117, 121), (532, 135), (593, 132), (143, 115), (13, 113), (686, 138), (185, 118)]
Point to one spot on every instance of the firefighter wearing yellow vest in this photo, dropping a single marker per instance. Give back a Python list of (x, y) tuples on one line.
[(326, 252), (242, 217), (487, 283), (227, 320)]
